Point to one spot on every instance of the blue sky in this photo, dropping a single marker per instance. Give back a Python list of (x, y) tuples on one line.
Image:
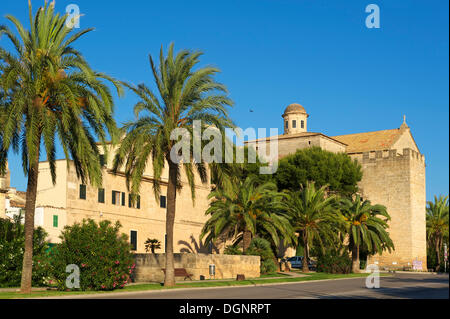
[(272, 53)]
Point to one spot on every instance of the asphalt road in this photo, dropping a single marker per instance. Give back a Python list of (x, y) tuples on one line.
[(398, 286)]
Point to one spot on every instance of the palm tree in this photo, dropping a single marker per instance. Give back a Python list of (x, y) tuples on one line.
[(244, 211), (152, 244), (365, 225), (437, 224), (185, 96), (51, 93), (311, 214)]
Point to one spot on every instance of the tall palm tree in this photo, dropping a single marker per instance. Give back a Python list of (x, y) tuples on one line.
[(185, 95), (312, 216), (244, 211), (437, 224), (52, 95), (365, 224)]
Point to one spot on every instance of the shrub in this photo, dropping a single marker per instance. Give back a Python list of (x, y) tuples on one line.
[(334, 262), (261, 247), (12, 244), (232, 250), (100, 251)]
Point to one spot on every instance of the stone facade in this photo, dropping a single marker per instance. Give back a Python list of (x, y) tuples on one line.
[(148, 221), (393, 176), (149, 266)]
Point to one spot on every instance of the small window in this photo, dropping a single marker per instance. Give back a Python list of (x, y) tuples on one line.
[(101, 195), (123, 199), (82, 191), (294, 123), (115, 198), (302, 124), (162, 201), (137, 202), (287, 124), (55, 220), (102, 160), (133, 239)]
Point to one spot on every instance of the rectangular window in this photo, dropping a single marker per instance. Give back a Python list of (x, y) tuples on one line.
[(101, 195), (162, 201), (294, 123), (102, 160), (137, 201), (302, 123), (55, 220), (82, 191), (287, 124), (123, 199), (115, 198), (133, 239)]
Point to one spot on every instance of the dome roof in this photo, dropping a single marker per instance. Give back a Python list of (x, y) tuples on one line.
[(295, 108)]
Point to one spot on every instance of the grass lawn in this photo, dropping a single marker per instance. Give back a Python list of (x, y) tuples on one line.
[(157, 286)]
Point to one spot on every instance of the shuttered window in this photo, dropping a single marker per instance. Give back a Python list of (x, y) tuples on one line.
[(82, 191), (133, 239), (101, 195), (55, 220)]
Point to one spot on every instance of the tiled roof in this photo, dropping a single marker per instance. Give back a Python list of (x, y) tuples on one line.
[(370, 141)]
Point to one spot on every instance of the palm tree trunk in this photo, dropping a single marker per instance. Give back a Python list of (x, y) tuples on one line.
[(438, 255), (30, 204), (246, 240), (355, 258), (169, 279), (305, 267)]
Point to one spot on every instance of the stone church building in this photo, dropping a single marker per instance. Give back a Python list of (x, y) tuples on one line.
[(393, 175)]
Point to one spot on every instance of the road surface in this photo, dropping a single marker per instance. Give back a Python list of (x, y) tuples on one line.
[(398, 286)]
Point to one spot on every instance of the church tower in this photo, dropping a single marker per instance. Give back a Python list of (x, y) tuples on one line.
[(295, 119)]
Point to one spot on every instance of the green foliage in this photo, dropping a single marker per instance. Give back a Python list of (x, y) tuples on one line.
[(261, 247), (152, 244), (12, 242), (337, 170), (247, 207), (312, 215), (100, 251), (437, 222), (232, 250), (334, 262), (52, 96)]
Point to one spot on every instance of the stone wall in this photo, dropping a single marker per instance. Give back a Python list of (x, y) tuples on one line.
[(148, 266), (397, 181)]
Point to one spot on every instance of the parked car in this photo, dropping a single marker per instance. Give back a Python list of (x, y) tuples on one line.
[(297, 262)]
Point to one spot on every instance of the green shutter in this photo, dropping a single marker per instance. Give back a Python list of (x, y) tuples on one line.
[(113, 201), (55, 220), (123, 199), (82, 191), (138, 204)]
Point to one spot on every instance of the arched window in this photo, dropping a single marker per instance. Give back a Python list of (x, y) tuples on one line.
[(294, 123), (302, 123)]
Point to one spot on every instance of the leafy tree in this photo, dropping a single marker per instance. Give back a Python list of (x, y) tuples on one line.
[(50, 93), (152, 244), (437, 225), (101, 252), (312, 216), (241, 213), (185, 95), (12, 243), (338, 171), (366, 225)]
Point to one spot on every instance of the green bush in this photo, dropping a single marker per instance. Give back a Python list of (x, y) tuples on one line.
[(232, 250), (100, 251), (261, 247), (334, 262), (12, 244)]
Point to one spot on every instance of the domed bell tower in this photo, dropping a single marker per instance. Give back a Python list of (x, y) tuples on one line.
[(295, 119)]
